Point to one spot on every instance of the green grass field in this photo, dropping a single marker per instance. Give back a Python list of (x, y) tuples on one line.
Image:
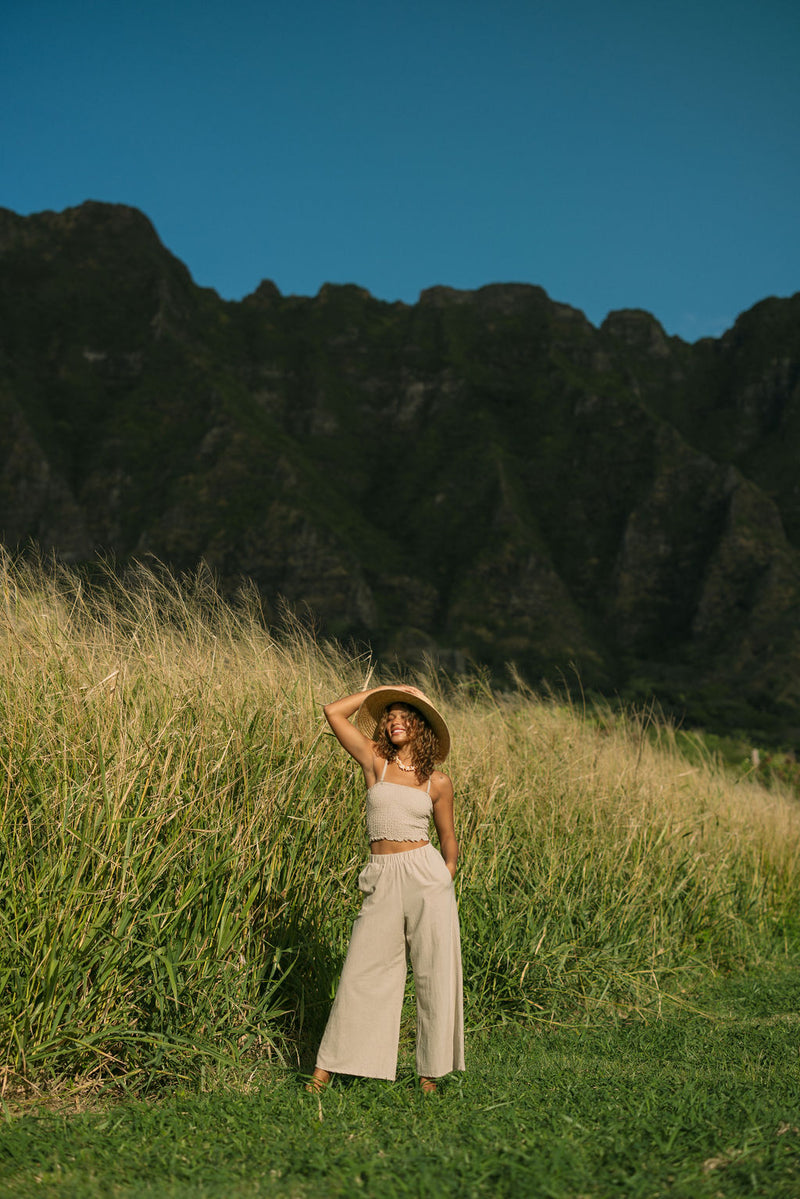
[(179, 842), (691, 1105)]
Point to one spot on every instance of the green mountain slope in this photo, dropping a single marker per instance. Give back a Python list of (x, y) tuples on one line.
[(482, 474)]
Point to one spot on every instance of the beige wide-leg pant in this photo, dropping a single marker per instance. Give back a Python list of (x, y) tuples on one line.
[(409, 902)]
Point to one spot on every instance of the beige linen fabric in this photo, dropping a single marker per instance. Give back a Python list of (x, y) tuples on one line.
[(409, 903)]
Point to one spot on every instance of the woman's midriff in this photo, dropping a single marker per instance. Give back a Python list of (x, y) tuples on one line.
[(395, 846)]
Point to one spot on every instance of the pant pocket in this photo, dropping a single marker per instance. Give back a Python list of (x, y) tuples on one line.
[(368, 879), (441, 868)]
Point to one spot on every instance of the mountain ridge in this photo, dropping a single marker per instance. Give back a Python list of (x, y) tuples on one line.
[(610, 496)]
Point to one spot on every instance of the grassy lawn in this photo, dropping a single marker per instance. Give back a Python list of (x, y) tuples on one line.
[(179, 843), (704, 1102)]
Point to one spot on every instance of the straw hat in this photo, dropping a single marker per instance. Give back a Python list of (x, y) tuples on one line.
[(373, 707)]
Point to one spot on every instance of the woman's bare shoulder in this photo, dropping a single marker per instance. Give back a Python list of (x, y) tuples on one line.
[(375, 769), (441, 786)]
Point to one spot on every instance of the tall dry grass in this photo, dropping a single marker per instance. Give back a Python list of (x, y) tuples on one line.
[(180, 837)]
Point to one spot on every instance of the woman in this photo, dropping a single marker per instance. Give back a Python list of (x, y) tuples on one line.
[(409, 897)]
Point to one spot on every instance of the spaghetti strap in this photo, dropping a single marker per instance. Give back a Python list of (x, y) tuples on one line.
[(385, 764), (428, 788)]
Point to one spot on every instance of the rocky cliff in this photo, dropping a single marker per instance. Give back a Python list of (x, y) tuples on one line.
[(483, 475)]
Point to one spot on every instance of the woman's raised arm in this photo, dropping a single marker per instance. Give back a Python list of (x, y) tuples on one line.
[(357, 745)]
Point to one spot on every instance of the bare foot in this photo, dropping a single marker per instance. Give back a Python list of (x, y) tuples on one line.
[(318, 1081), (428, 1085)]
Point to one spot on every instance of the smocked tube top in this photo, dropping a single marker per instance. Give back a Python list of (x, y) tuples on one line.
[(397, 813)]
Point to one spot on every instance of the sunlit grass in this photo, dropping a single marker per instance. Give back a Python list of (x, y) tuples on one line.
[(691, 1106), (180, 836)]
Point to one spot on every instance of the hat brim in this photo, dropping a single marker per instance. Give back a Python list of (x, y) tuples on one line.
[(372, 708)]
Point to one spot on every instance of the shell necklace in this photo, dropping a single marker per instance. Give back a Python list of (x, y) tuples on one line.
[(408, 769)]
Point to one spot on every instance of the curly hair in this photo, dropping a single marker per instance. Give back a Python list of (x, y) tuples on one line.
[(424, 743)]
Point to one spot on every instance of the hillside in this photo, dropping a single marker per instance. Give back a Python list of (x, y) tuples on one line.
[(482, 475)]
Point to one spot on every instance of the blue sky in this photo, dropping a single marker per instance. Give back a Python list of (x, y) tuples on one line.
[(617, 154)]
